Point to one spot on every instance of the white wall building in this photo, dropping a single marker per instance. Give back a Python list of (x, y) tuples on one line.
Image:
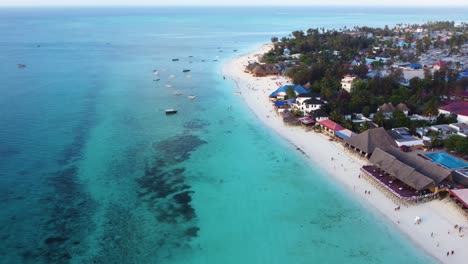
[(347, 83), (308, 104)]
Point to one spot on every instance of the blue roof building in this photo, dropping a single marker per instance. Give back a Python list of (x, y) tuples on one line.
[(415, 66), (402, 44), (281, 92)]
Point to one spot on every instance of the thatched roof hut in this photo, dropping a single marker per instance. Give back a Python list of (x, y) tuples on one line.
[(370, 139), (249, 68), (402, 107), (259, 71), (387, 108)]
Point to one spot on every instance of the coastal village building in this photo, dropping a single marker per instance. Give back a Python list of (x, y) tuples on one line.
[(330, 127), (444, 131), (283, 105), (461, 128), (366, 142), (411, 169), (403, 137), (461, 198), (347, 83), (318, 115), (428, 168), (459, 108), (388, 109), (401, 171), (345, 134), (261, 70), (281, 92), (308, 104)]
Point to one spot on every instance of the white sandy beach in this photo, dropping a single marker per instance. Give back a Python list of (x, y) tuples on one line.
[(438, 217)]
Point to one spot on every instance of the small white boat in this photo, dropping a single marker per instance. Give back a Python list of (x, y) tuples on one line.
[(189, 76), (191, 97), (171, 111), (168, 85), (176, 93), (172, 76), (237, 93)]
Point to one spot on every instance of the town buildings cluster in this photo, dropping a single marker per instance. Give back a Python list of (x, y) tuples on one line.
[(408, 161)]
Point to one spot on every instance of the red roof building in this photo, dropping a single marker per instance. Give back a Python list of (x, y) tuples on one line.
[(454, 108), (461, 195), (330, 126), (459, 108)]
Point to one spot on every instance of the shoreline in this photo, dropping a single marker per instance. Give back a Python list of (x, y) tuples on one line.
[(438, 216)]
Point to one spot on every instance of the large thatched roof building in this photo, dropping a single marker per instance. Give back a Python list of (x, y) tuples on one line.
[(434, 171), (414, 171), (367, 141), (260, 70)]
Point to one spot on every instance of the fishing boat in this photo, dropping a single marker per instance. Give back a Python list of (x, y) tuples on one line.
[(20, 65), (176, 93), (175, 59), (191, 97), (185, 70), (171, 111), (168, 85), (172, 76), (156, 80)]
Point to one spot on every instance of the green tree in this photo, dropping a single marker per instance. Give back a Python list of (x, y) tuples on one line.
[(462, 147), (290, 93), (335, 116), (431, 107), (437, 142), (379, 119), (366, 111), (365, 126), (452, 142), (400, 119)]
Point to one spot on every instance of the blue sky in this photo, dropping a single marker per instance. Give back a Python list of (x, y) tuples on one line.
[(422, 3)]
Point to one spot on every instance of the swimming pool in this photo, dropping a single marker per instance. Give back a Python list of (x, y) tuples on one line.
[(447, 160)]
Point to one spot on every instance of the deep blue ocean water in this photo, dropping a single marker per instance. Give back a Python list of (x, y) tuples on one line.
[(93, 171)]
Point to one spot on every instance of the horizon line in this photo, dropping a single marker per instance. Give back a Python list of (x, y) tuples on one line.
[(246, 6)]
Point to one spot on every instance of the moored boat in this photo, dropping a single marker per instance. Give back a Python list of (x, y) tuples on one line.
[(171, 111)]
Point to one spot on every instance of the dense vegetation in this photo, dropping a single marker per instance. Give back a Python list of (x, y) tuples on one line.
[(327, 55)]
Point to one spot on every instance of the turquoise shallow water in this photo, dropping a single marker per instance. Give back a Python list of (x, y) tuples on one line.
[(91, 170)]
